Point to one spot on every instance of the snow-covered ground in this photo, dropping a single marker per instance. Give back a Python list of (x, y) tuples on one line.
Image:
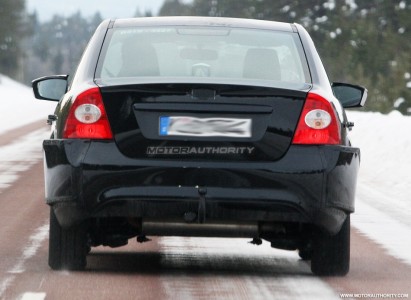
[(18, 106), (383, 208)]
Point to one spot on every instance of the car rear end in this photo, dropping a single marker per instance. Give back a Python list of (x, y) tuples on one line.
[(202, 129)]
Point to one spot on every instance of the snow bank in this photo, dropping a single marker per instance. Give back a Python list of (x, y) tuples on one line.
[(18, 106), (385, 142)]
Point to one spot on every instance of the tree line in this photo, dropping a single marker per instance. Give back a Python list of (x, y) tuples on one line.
[(363, 42)]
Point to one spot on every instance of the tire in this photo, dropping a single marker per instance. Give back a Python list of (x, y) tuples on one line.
[(67, 247), (331, 254)]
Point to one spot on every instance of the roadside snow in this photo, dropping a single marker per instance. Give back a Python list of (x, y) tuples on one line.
[(384, 185), (383, 202), (18, 106), (384, 178), (385, 143)]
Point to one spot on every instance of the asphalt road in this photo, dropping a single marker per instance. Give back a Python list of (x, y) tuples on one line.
[(165, 268)]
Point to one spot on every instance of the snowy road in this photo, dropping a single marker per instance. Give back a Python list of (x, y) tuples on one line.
[(195, 268)]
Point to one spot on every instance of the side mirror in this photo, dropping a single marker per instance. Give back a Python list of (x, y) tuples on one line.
[(50, 87), (350, 95)]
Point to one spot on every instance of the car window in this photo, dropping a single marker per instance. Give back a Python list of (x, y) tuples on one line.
[(212, 52)]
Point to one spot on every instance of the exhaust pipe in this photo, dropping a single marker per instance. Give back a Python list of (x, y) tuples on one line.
[(243, 230)]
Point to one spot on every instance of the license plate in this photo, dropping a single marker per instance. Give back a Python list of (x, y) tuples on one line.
[(205, 127)]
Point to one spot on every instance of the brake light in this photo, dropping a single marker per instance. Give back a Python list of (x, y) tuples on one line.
[(318, 123), (87, 118)]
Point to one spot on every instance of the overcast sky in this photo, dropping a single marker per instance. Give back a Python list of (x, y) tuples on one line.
[(108, 8)]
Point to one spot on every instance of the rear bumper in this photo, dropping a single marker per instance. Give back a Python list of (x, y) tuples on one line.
[(310, 184)]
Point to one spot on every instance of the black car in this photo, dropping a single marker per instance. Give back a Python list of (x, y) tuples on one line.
[(196, 126)]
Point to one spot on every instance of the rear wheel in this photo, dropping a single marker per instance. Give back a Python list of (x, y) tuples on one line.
[(331, 254), (67, 247)]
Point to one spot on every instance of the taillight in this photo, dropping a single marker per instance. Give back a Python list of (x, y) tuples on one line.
[(318, 123), (87, 118)]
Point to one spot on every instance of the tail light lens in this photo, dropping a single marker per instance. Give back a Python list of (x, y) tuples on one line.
[(318, 123), (87, 118)]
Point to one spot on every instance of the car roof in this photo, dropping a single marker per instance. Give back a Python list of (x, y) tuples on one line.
[(203, 21)]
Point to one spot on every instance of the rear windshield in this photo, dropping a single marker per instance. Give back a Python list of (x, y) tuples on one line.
[(203, 54)]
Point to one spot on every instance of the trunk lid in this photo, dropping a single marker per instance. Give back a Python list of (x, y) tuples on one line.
[(219, 122)]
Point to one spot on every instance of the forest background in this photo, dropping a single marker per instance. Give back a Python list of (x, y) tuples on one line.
[(362, 42)]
